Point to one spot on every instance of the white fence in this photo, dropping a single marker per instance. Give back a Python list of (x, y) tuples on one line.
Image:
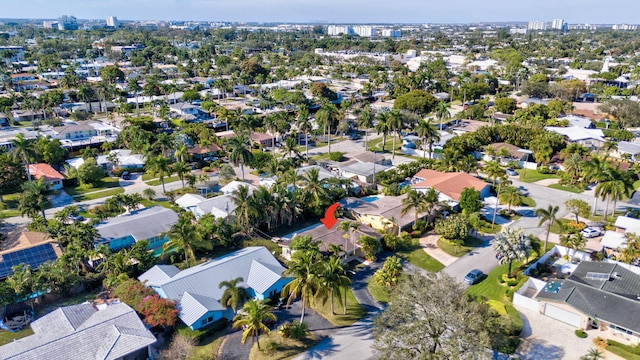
[(522, 297)]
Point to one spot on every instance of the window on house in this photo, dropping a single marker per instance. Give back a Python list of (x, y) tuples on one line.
[(622, 330)]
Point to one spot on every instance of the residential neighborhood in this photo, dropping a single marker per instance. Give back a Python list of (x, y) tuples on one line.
[(205, 189)]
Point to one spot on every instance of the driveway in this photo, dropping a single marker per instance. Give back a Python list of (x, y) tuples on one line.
[(483, 257), (546, 338)]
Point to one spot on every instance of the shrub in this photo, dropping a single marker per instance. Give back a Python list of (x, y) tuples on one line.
[(575, 226), (509, 294), (294, 330), (497, 306), (544, 170), (206, 169), (509, 281), (581, 334), (336, 156)]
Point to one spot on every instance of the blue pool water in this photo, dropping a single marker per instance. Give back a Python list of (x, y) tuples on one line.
[(370, 198)]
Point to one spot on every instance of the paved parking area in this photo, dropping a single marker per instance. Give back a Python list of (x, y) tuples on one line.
[(549, 339)]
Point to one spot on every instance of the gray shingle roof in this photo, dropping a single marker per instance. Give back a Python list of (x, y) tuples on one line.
[(256, 265), (107, 334), (63, 320), (159, 273), (142, 224)]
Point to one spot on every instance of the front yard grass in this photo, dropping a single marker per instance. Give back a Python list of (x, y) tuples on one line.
[(533, 176), (105, 183), (355, 311), (376, 144), (7, 336), (556, 227), (378, 292), (457, 251), (9, 206), (415, 254), (207, 347), (98, 194), (275, 347), (168, 179), (527, 201), (568, 188), (624, 351)]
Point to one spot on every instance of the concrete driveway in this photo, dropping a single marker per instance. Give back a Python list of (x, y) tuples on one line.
[(482, 257)]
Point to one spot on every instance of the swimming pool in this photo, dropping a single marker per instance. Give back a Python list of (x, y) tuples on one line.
[(371, 198)]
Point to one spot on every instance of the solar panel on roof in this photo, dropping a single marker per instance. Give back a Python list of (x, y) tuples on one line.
[(597, 276), (33, 257)]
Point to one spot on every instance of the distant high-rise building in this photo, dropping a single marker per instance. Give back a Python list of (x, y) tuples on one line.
[(67, 22), (364, 30), (391, 33), (334, 30), (50, 24), (625, 27), (537, 25), (112, 21), (558, 24)]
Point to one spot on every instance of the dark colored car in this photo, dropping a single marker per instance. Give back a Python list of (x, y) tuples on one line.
[(126, 175), (76, 217), (473, 276)]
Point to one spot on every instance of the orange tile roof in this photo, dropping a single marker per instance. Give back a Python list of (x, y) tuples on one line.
[(45, 171), (450, 184)]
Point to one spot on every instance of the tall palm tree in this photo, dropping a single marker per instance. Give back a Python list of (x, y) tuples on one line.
[(574, 241), (365, 122), (34, 198), (395, 125), (326, 116), (383, 126), (315, 186), (304, 124), (493, 171), (233, 295), (134, 87), (181, 153), (252, 318), (240, 151), (547, 215), (334, 279), (159, 166), (184, 235), (511, 196), (23, 150), (245, 210), (442, 112), (429, 135), (304, 269), (349, 228), (181, 168), (594, 173), (416, 201), (86, 94), (512, 244)]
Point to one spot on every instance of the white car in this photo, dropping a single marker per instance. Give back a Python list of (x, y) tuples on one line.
[(590, 232)]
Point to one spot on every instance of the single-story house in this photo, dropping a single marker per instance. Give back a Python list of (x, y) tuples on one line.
[(187, 201), (26, 115), (121, 158), (626, 148), (602, 295), (625, 224), (511, 153), (196, 289), (591, 138), (578, 121), (149, 224), (332, 236), (265, 140), (78, 131), (110, 332), (613, 242), (235, 185), (362, 172), (48, 174), (199, 152), (219, 206), (383, 214), (449, 184), (32, 248)]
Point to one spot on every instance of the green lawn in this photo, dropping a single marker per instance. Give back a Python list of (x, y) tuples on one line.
[(275, 347), (624, 351), (207, 346), (636, 184), (105, 183), (527, 201), (355, 311), (415, 254), (568, 188), (7, 337), (98, 194), (150, 203), (9, 206), (376, 144), (555, 228), (379, 292), (453, 250), (167, 180), (534, 175)]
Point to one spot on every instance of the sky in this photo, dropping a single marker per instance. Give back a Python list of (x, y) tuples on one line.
[(333, 11)]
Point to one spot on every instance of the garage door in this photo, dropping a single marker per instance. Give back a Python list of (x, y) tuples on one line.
[(563, 315)]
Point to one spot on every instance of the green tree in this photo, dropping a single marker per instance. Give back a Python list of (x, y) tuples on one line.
[(181, 168), (578, 208), (470, 200), (416, 201), (574, 241), (430, 317), (90, 173), (383, 126), (252, 318), (159, 166), (34, 198), (23, 150), (429, 135), (304, 269), (334, 279), (390, 273), (505, 105), (416, 101), (12, 175), (547, 215), (184, 236), (370, 246), (245, 210), (512, 244), (239, 151), (511, 196), (234, 295), (365, 122)]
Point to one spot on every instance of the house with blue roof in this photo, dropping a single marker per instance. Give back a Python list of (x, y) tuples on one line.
[(197, 291)]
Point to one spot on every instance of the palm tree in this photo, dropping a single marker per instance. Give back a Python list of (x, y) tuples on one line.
[(594, 173), (23, 150), (233, 295), (245, 208), (442, 112), (370, 246), (429, 135), (290, 146), (493, 171), (395, 124), (365, 122), (303, 268), (159, 166), (134, 87), (252, 318), (34, 198), (315, 186), (183, 235), (149, 193), (383, 126), (181, 169), (547, 215), (334, 279), (511, 196), (349, 228), (574, 241), (416, 201), (240, 151), (632, 251), (326, 116), (304, 124), (86, 94), (512, 244), (593, 354), (181, 153)]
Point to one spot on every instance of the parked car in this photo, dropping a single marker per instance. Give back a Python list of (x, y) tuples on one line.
[(511, 172), (354, 137), (126, 175), (473, 276), (75, 217), (590, 232)]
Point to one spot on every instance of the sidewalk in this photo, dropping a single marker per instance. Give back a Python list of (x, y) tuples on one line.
[(429, 244)]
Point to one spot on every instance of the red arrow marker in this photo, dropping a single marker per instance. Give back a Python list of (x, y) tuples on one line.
[(329, 219)]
